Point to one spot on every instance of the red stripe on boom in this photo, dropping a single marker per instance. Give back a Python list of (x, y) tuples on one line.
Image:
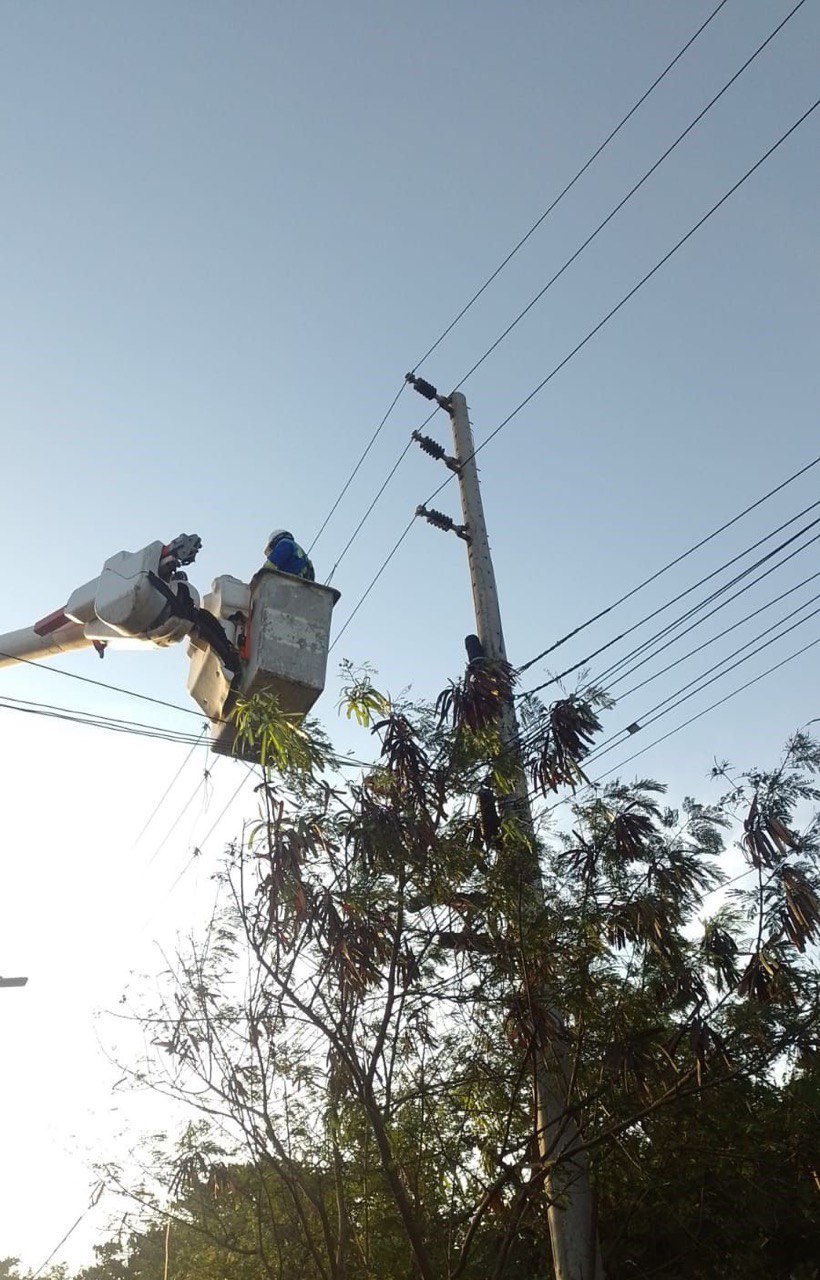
[(51, 622)]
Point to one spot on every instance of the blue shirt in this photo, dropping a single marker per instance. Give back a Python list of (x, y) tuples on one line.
[(288, 557)]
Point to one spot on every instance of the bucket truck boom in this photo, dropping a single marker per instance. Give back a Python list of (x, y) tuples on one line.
[(269, 635), (129, 599)]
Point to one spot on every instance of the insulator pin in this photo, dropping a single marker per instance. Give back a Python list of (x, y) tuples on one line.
[(427, 390), (440, 521), (430, 446)]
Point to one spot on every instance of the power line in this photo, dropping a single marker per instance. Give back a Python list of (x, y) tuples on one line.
[(93, 1202), (670, 565), (594, 331), (625, 199), (354, 535), (565, 191), (652, 578), (603, 679), (609, 744), (135, 728), (169, 788), (60, 1243), (154, 732), (372, 584), (641, 648), (688, 591), (198, 850), (650, 717), (357, 468), (494, 275), (529, 739), (684, 617), (712, 639), (100, 684), (635, 289), (519, 245), (206, 775), (594, 782), (201, 845), (711, 707)]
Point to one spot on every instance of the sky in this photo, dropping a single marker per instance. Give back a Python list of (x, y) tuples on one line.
[(227, 231)]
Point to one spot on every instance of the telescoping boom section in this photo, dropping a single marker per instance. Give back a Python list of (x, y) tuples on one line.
[(267, 636)]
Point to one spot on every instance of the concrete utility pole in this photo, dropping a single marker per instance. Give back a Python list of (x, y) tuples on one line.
[(572, 1219)]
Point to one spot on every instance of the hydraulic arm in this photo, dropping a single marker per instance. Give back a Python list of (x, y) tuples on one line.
[(139, 595), (267, 636)]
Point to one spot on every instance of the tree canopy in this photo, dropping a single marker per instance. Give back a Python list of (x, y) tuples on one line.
[(357, 1029)]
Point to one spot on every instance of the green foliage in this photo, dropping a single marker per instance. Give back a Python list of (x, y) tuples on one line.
[(279, 739), (360, 1023), (360, 699)]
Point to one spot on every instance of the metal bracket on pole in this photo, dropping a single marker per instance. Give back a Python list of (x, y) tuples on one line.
[(440, 521)]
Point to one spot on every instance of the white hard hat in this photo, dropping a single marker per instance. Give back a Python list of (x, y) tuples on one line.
[(275, 536)]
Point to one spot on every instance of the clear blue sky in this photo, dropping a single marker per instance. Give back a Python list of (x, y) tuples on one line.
[(227, 230)]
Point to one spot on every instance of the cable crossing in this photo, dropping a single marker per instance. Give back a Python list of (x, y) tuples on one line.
[(590, 335), (671, 564), (566, 190), (497, 272), (657, 712), (625, 199), (637, 287), (664, 631), (706, 710)]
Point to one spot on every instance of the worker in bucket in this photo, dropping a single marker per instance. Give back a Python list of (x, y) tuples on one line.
[(284, 553)]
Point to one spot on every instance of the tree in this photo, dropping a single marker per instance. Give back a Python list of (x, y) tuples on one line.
[(360, 1020), (10, 1270)]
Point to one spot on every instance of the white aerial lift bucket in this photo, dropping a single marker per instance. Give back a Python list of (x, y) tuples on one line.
[(281, 626)]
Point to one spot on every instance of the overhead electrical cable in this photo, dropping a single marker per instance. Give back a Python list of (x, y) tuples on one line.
[(719, 703), (633, 591), (633, 291), (529, 738), (712, 639), (169, 788), (202, 783), (100, 684), (569, 261), (132, 727), (198, 850), (579, 346), (354, 535), (154, 732), (494, 274), (604, 675), (625, 199), (565, 190), (594, 782), (614, 674), (61, 1242), (371, 584), (720, 591), (663, 708), (93, 1201), (348, 482)]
